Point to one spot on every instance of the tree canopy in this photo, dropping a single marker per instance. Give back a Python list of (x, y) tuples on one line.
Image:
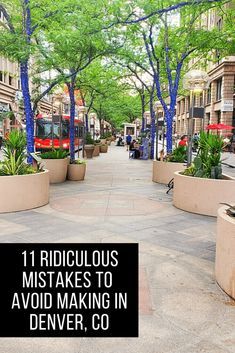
[(154, 43)]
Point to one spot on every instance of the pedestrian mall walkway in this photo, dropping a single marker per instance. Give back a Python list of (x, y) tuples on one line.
[(182, 309)]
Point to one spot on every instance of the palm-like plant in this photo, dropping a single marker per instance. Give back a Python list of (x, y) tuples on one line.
[(207, 164), (14, 155)]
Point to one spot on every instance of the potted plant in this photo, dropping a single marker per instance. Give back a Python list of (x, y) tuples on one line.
[(103, 148), (225, 249), (201, 187), (108, 136), (103, 139), (89, 145), (96, 152), (56, 162), (76, 170), (164, 168), (22, 186)]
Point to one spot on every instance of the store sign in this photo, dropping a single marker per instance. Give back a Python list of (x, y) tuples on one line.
[(227, 105)]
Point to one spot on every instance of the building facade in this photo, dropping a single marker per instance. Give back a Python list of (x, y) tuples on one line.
[(218, 100)]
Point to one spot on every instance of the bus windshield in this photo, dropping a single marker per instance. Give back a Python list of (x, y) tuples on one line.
[(44, 130)]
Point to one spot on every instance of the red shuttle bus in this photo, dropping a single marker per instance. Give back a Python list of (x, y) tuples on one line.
[(55, 134)]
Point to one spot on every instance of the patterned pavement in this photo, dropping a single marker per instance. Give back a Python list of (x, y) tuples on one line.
[(182, 309)]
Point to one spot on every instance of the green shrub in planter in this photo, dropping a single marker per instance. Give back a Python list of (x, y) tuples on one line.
[(88, 139), (207, 163), (54, 154), (14, 154), (78, 161), (178, 155)]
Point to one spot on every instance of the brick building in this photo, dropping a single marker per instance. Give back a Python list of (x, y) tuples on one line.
[(218, 100)]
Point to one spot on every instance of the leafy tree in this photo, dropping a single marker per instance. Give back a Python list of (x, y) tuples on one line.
[(72, 49), (163, 45), (22, 21), (105, 90)]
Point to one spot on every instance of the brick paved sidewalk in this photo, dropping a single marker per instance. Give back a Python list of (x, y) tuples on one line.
[(182, 309)]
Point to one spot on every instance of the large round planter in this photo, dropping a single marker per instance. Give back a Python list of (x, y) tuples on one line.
[(96, 151), (89, 149), (24, 192), (76, 172), (57, 169), (225, 252), (103, 148), (163, 172), (200, 195)]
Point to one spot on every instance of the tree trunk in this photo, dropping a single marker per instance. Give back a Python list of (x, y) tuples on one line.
[(71, 87), (86, 123), (169, 122), (143, 111), (24, 76), (153, 124)]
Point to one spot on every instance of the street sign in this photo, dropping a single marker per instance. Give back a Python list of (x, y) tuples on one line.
[(227, 105)]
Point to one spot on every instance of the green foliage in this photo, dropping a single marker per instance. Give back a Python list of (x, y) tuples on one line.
[(179, 155), (207, 164), (106, 135), (79, 161), (89, 140), (14, 156), (107, 93), (54, 154), (6, 115)]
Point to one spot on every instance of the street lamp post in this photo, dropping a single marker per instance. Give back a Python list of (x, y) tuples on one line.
[(196, 81)]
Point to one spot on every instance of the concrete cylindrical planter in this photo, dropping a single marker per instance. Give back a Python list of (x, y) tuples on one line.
[(76, 172), (96, 152), (57, 169), (200, 195), (225, 252), (89, 149), (103, 148), (24, 192), (103, 141), (163, 172)]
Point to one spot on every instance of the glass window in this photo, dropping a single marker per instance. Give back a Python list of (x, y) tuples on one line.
[(208, 96), (219, 89), (130, 130), (201, 100), (10, 80), (218, 116), (44, 130)]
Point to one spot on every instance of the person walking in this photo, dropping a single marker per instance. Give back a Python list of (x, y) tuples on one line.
[(128, 141)]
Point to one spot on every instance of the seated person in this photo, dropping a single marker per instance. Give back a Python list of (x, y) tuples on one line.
[(135, 149), (183, 141), (120, 141)]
